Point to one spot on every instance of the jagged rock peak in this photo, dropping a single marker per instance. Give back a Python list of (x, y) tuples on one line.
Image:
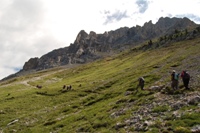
[(187, 22), (31, 64), (105, 33), (180, 22), (92, 35), (81, 35), (148, 23)]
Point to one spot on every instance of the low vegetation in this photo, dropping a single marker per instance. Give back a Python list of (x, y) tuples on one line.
[(104, 96)]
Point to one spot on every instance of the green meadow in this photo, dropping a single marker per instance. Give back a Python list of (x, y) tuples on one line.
[(104, 96)]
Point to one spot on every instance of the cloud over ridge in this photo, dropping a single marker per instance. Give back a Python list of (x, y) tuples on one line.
[(116, 16)]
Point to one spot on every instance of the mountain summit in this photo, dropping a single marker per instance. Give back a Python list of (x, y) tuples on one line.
[(92, 46)]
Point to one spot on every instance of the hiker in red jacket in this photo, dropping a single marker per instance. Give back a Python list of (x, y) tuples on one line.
[(185, 78)]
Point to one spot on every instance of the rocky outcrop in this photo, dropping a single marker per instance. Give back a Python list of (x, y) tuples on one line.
[(31, 64), (89, 47)]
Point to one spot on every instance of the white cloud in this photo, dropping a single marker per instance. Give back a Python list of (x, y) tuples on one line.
[(31, 28), (22, 34), (143, 5), (117, 16)]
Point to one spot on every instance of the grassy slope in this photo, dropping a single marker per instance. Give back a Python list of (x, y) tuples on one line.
[(98, 91)]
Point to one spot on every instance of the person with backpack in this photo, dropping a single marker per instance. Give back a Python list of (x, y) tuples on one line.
[(185, 78), (174, 80), (140, 83)]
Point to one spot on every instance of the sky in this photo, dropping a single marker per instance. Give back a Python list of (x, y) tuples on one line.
[(32, 28)]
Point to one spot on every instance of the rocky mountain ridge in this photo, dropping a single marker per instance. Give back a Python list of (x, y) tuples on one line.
[(92, 46), (87, 47)]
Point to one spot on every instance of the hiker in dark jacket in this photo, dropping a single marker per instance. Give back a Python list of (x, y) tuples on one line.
[(185, 78), (141, 83), (174, 80)]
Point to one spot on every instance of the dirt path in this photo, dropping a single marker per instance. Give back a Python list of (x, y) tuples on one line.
[(26, 82)]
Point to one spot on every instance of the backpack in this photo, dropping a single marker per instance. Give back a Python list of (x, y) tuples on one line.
[(186, 75), (176, 76), (141, 80)]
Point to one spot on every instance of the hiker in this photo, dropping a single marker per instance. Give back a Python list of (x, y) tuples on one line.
[(39, 86), (174, 80), (185, 78), (141, 83), (69, 87), (64, 86)]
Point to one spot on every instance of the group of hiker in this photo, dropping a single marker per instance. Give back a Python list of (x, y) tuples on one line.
[(174, 80)]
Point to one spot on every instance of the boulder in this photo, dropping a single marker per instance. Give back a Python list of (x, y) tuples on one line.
[(194, 100)]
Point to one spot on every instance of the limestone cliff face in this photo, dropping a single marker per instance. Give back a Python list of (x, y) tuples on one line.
[(89, 47)]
